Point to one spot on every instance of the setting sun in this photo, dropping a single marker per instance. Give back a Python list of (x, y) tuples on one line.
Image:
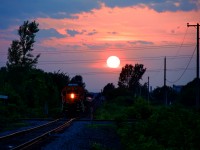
[(113, 62)]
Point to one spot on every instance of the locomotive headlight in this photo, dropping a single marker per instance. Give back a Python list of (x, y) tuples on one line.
[(72, 95)]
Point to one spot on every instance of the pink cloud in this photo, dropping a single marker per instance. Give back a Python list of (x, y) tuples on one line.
[(128, 32), (130, 24)]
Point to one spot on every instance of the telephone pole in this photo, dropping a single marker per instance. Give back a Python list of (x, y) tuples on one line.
[(197, 69), (165, 87), (148, 89)]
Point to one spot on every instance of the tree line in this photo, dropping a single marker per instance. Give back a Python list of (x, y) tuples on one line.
[(129, 85), (31, 92)]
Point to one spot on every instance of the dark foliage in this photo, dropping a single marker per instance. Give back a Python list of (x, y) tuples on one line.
[(125, 76), (108, 89), (188, 94), (158, 95), (167, 128), (19, 54), (32, 90), (78, 79), (60, 79), (153, 127), (130, 76)]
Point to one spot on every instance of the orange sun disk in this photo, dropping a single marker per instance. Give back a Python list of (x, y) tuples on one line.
[(113, 62)]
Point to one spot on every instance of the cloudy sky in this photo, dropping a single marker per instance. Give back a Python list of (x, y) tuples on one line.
[(77, 36)]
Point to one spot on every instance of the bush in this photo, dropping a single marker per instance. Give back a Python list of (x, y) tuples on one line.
[(167, 128), (156, 127), (142, 108), (111, 112)]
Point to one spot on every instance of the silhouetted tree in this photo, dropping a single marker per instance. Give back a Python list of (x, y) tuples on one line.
[(107, 90), (188, 93), (108, 87), (61, 79), (19, 54), (78, 79), (159, 92), (130, 76), (138, 72), (125, 76)]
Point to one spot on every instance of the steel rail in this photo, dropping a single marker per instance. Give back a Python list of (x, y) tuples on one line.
[(27, 130), (43, 136)]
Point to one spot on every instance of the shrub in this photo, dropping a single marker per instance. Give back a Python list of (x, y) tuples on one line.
[(167, 128), (156, 127)]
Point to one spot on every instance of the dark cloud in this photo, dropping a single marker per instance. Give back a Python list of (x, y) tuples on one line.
[(112, 32), (17, 11), (183, 5), (48, 33), (121, 3), (96, 46), (46, 7), (140, 42), (92, 33), (22, 10), (73, 32), (160, 6)]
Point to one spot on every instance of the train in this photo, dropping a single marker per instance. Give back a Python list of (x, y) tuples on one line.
[(74, 99)]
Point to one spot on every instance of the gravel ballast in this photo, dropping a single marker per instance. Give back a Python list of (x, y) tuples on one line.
[(86, 135)]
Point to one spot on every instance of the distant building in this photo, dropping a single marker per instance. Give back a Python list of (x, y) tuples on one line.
[(177, 88)]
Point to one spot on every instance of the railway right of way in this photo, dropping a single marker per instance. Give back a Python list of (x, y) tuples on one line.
[(28, 138)]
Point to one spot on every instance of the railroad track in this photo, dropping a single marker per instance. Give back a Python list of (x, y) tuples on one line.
[(28, 138)]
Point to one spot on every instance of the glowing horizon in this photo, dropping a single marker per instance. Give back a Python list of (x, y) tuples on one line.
[(79, 40)]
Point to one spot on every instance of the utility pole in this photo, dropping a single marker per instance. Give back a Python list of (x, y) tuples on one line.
[(197, 69), (148, 89), (165, 87)]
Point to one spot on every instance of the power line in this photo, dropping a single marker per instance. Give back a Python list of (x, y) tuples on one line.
[(95, 50), (179, 46), (184, 69), (136, 48), (80, 61), (182, 42), (117, 72), (77, 61)]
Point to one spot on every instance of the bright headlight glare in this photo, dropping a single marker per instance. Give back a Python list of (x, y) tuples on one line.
[(72, 95)]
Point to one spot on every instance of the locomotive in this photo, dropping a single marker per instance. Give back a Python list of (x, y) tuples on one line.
[(73, 99)]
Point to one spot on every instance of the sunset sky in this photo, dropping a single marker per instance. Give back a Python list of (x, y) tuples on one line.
[(77, 36)]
